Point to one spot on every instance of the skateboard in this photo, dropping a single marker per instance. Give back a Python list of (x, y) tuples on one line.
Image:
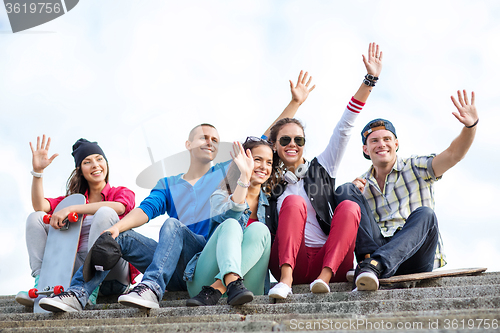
[(60, 253), (411, 280)]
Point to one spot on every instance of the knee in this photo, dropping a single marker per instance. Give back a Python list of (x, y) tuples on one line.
[(347, 191), (426, 213), (105, 217), (170, 226), (351, 207), (258, 232), (231, 225), (294, 201), (35, 219)]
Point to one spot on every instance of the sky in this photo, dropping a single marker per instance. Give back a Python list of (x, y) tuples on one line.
[(132, 75)]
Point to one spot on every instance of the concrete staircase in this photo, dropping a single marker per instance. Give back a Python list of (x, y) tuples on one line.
[(467, 303)]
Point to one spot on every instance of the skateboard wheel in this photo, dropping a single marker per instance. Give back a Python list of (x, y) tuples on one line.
[(46, 218), (58, 290), (33, 293), (73, 217)]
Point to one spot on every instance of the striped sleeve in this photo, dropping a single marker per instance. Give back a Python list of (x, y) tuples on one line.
[(355, 106)]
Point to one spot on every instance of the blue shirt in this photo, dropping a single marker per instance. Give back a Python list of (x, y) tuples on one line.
[(190, 204)]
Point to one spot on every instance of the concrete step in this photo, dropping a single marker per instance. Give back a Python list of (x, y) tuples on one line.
[(442, 300), (467, 291), (443, 320)]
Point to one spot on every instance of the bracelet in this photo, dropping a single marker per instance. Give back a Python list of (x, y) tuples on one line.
[(36, 174), (473, 124), (371, 77), (369, 83), (239, 182)]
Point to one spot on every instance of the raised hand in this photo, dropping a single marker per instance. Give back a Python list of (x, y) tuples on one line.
[(301, 90), (467, 113), (243, 160), (374, 62), (40, 155)]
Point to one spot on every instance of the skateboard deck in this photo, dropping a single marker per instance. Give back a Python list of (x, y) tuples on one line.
[(60, 253), (410, 280)]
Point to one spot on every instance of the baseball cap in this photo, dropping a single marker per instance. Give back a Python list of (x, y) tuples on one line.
[(103, 256), (375, 125)]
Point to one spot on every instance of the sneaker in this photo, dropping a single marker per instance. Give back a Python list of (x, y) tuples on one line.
[(319, 287), (349, 276), (23, 297), (367, 274), (237, 294), (141, 296), (64, 302), (280, 291), (207, 296), (93, 297)]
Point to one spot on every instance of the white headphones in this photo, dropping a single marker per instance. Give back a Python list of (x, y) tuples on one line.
[(293, 177)]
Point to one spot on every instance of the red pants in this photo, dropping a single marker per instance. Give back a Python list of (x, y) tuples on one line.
[(307, 262)]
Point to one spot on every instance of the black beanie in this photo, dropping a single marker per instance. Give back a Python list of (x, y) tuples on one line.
[(83, 148)]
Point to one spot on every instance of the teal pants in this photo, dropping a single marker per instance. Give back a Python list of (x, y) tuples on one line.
[(233, 250)]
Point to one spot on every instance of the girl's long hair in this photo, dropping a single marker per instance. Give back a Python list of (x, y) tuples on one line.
[(78, 184), (229, 182), (279, 168)]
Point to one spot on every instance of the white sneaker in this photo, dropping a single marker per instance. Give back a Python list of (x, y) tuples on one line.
[(23, 298), (349, 276), (367, 281), (64, 302), (141, 297), (280, 291), (319, 287)]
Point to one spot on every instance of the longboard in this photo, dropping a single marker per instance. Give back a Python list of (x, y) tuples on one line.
[(60, 253), (410, 280)]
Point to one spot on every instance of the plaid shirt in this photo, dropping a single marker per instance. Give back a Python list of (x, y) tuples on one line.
[(408, 186)]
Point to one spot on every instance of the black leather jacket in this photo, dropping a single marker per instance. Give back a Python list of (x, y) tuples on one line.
[(320, 189)]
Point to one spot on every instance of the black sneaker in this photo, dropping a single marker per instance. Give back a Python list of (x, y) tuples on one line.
[(367, 274), (237, 294), (207, 296)]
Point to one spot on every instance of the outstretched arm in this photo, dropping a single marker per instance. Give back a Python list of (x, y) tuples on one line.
[(373, 64), (467, 115), (299, 95), (40, 161)]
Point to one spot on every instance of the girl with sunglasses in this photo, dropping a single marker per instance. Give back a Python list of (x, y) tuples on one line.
[(239, 241), (314, 237), (105, 206)]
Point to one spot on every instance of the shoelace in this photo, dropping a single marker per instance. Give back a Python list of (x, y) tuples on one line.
[(209, 291), (140, 289), (65, 294)]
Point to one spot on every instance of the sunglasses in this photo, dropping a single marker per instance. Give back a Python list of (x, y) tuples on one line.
[(255, 139), (299, 141)]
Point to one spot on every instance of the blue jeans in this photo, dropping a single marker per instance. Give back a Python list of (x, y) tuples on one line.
[(409, 250), (162, 263)]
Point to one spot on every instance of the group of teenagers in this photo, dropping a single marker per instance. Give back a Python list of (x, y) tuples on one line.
[(266, 209)]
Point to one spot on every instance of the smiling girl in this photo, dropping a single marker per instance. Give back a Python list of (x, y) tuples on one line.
[(239, 241), (105, 206), (315, 236)]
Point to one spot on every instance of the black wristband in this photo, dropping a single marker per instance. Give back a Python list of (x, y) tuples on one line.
[(371, 77), (369, 83), (473, 124)]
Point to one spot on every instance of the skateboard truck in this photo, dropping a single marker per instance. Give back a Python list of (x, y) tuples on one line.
[(72, 217), (34, 293)]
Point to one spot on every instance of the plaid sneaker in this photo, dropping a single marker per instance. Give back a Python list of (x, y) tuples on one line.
[(207, 296), (237, 294), (367, 274), (64, 302), (141, 296)]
